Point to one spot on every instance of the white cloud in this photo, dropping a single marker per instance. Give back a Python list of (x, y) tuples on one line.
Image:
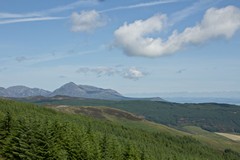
[(70, 6), (132, 38), (131, 73), (58, 9), (87, 21), (99, 71), (134, 74), (8, 18), (191, 10), (140, 5), (9, 21)]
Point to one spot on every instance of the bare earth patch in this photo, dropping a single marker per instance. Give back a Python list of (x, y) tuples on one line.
[(230, 136)]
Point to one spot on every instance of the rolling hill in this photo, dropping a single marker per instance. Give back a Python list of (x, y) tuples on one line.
[(33, 132), (209, 116), (216, 140)]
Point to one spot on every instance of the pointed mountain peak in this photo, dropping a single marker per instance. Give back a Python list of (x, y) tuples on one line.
[(85, 91), (69, 89), (70, 84)]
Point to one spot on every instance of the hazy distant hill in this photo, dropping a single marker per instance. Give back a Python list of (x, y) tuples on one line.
[(71, 90), (22, 91), (2, 90)]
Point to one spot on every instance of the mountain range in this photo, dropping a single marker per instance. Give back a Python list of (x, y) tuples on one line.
[(22, 91), (69, 89), (73, 90)]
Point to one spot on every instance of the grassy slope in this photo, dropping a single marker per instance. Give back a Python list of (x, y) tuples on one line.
[(158, 144), (235, 137), (120, 117), (210, 116), (212, 139), (130, 120)]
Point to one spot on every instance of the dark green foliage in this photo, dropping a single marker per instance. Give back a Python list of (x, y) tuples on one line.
[(5, 130), (33, 132), (229, 154), (209, 116)]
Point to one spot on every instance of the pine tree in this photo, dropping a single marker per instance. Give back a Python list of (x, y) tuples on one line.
[(20, 144), (131, 152), (5, 131)]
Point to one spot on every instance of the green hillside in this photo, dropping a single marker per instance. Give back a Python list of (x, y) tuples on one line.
[(128, 119), (32, 132), (209, 116)]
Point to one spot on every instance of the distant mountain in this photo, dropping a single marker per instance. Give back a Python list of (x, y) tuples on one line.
[(2, 91), (70, 90), (73, 90), (22, 91), (148, 99), (233, 100)]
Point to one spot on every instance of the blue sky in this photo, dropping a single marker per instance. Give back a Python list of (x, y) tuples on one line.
[(134, 47)]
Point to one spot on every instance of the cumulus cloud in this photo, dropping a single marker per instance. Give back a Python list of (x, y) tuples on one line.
[(87, 21), (128, 73), (132, 38), (133, 74)]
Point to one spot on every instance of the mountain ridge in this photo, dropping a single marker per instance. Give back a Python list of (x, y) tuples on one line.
[(22, 91), (69, 89), (73, 90)]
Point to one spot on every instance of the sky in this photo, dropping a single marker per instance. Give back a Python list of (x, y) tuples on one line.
[(135, 47)]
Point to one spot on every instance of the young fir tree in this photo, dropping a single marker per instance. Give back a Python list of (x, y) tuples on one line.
[(5, 131)]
